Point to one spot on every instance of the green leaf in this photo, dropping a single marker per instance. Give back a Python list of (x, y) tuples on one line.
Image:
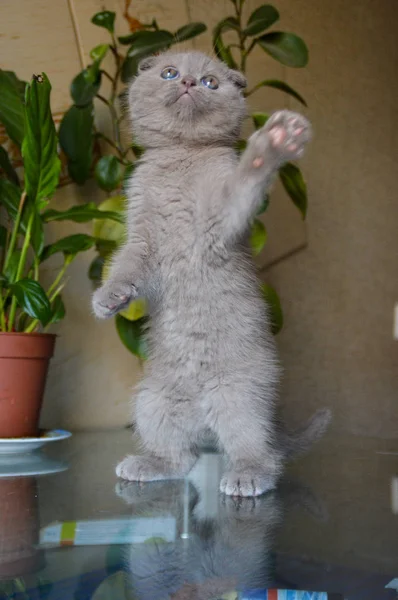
[(39, 149), (189, 31), (263, 206), (132, 335), (11, 271), (81, 214), (98, 53), (95, 269), (58, 310), (135, 311), (240, 146), (10, 197), (221, 50), (286, 48), (85, 87), (226, 25), (128, 171), (11, 107), (108, 173), (109, 230), (18, 84), (294, 184), (258, 237), (262, 18), (126, 40), (224, 53), (138, 150), (283, 87), (129, 69), (6, 166), (32, 299), (147, 42), (105, 248), (105, 19), (37, 233), (76, 139), (274, 307), (70, 245), (259, 119)]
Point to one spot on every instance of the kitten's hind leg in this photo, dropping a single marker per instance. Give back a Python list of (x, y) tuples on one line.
[(167, 424), (244, 425)]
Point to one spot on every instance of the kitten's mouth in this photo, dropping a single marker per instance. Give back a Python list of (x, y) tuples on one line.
[(185, 96)]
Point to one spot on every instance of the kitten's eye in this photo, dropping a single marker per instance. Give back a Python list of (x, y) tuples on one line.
[(169, 73), (210, 81)]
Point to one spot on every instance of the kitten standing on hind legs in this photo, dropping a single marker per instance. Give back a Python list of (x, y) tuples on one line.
[(212, 359)]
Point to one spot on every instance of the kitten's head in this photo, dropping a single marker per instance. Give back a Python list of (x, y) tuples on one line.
[(186, 97)]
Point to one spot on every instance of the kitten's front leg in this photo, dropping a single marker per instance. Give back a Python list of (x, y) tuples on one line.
[(283, 138), (122, 286)]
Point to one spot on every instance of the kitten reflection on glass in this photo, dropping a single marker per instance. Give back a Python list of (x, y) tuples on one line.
[(212, 362), (232, 550)]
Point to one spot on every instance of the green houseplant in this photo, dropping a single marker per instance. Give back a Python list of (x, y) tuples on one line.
[(27, 309), (234, 39)]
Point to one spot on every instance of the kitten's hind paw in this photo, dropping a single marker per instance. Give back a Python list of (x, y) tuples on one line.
[(112, 297), (247, 483), (289, 132), (145, 468)]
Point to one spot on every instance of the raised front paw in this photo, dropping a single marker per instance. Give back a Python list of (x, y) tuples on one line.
[(112, 297), (289, 133)]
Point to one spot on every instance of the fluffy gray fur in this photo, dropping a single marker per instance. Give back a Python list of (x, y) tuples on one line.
[(213, 363)]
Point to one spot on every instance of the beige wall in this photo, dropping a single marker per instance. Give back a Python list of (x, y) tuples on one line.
[(338, 293)]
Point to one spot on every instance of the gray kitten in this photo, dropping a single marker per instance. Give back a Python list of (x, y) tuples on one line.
[(213, 364)]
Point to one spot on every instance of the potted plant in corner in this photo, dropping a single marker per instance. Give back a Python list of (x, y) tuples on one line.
[(27, 309)]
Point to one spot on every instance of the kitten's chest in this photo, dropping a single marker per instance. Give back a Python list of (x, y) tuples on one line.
[(179, 200)]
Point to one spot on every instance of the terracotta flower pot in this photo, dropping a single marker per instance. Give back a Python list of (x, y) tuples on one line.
[(24, 359)]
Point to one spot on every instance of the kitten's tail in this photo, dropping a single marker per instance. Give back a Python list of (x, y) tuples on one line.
[(299, 442)]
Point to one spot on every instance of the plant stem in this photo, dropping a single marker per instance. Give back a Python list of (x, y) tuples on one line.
[(110, 142), (115, 122), (60, 275), (21, 266), (107, 75), (245, 55), (111, 102), (3, 323), (14, 234), (238, 11), (234, 46), (36, 268), (104, 100), (4, 250)]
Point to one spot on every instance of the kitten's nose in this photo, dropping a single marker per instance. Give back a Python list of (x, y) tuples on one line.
[(188, 81)]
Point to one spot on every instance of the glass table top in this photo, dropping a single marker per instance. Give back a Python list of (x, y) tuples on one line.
[(70, 530)]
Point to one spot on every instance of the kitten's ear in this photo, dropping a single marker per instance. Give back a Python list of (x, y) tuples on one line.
[(146, 63), (237, 78)]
